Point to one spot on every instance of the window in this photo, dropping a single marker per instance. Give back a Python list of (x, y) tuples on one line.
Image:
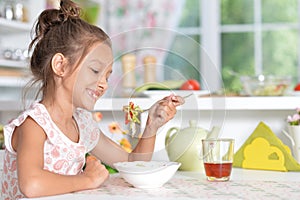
[(241, 37), (217, 41), (185, 63), (260, 38)]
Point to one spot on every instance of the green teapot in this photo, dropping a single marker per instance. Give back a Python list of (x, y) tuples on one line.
[(185, 146)]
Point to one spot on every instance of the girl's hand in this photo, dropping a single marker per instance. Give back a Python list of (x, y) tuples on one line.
[(163, 111), (95, 172)]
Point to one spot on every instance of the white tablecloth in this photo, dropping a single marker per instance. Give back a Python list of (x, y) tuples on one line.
[(244, 184)]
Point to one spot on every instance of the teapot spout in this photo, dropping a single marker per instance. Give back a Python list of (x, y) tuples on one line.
[(214, 133)]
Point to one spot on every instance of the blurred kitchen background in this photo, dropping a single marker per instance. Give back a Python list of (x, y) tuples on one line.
[(213, 41)]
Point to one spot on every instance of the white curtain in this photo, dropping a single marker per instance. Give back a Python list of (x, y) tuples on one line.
[(142, 27)]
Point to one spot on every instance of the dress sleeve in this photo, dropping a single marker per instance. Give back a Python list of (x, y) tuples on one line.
[(9, 130)]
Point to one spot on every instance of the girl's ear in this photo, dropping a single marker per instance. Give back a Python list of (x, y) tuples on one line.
[(58, 64)]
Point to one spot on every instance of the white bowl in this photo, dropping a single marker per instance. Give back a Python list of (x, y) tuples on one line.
[(143, 174), (265, 85)]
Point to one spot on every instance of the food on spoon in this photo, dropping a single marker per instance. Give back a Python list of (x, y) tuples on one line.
[(132, 116), (190, 84), (132, 112)]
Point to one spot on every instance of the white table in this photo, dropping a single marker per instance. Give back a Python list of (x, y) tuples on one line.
[(244, 184)]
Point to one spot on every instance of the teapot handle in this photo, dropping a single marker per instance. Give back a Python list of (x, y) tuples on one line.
[(168, 135), (288, 136)]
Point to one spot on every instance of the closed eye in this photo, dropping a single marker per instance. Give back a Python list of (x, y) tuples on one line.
[(95, 71)]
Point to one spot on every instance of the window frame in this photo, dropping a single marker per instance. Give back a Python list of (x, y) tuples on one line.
[(211, 30)]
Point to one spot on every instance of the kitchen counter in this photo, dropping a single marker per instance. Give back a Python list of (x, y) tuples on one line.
[(244, 184), (237, 116)]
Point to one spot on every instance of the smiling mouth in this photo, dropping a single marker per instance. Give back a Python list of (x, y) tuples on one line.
[(95, 94)]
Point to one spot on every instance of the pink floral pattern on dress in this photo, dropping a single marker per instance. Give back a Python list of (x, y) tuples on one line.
[(61, 155)]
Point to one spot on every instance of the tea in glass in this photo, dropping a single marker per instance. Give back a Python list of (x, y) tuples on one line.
[(218, 158)]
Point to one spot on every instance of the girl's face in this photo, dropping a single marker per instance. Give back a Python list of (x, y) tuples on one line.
[(92, 76)]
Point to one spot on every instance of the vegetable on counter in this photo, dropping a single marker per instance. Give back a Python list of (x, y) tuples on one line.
[(164, 85), (190, 84), (297, 87)]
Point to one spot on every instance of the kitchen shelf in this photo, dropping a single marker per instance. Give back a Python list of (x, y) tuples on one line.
[(10, 26), (9, 81), (209, 103), (202, 103), (11, 105), (13, 63)]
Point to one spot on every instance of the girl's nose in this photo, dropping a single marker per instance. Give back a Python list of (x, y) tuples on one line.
[(102, 84)]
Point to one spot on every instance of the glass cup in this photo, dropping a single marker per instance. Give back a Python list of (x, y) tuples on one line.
[(218, 158)]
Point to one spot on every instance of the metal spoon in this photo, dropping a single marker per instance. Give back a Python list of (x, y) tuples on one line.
[(182, 97)]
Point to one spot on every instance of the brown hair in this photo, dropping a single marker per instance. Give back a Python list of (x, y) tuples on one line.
[(60, 31)]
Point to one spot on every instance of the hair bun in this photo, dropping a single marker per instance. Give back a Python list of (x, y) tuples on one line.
[(69, 9)]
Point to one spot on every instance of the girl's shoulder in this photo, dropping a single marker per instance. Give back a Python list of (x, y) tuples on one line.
[(37, 108), (34, 110)]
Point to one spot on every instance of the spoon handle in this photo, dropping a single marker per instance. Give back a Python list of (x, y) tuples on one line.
[(187, 95), (182, 97)]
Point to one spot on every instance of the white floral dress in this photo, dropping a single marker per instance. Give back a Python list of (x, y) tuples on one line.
[(61, 155)]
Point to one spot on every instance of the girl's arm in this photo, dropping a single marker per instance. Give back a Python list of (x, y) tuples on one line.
[(159, 114), (34, 181)]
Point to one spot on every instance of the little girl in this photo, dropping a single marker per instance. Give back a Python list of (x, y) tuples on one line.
[(46, 145)]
